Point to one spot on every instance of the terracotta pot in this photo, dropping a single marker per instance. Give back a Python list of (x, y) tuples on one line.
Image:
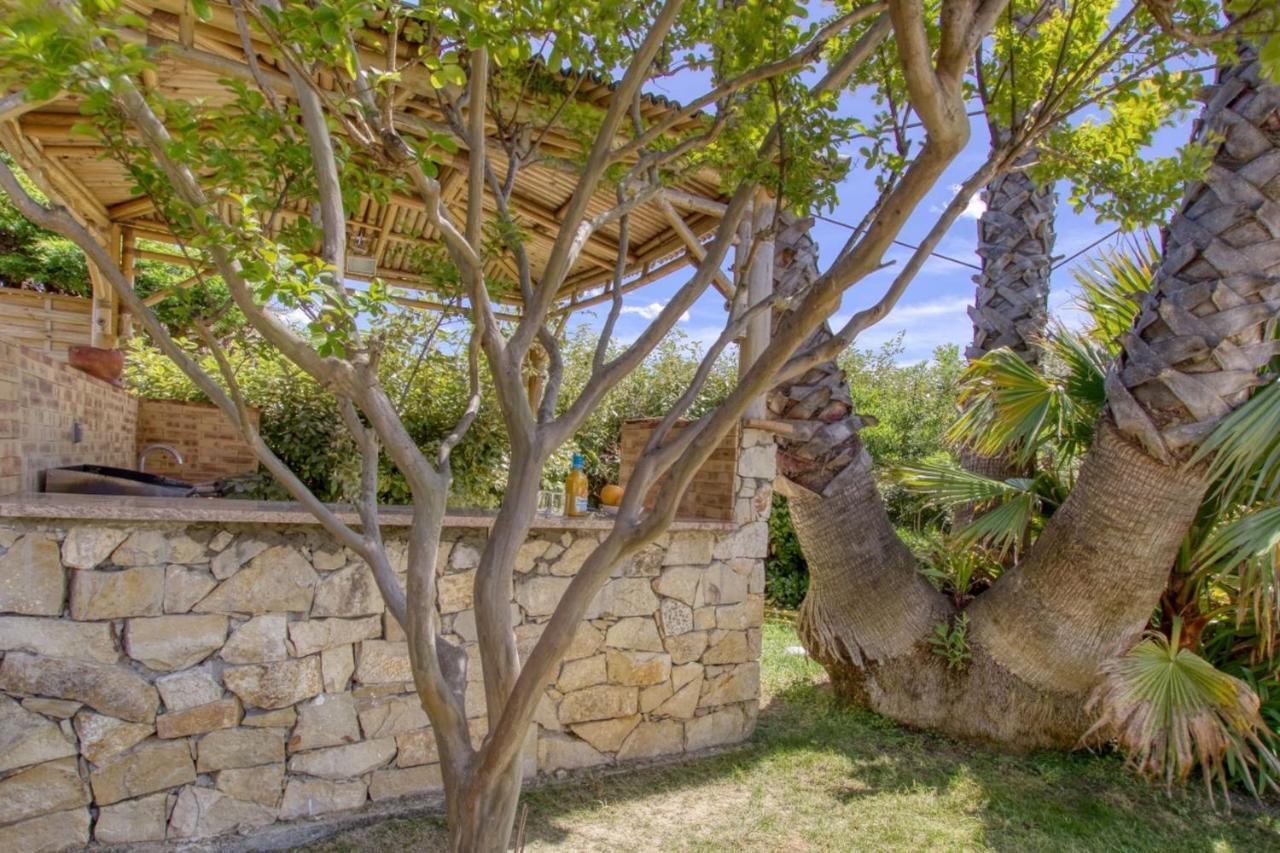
[(104, 364)]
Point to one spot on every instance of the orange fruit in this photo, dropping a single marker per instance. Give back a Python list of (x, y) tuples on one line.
[(611, 495)]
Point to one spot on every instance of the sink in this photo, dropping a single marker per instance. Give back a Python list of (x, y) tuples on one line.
[(105, 480)]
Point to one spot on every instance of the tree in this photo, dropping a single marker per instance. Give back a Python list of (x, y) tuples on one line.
[(307, 117), (1037, 638)]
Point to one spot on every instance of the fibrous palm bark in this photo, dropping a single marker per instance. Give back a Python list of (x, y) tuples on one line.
[(1089, 584)]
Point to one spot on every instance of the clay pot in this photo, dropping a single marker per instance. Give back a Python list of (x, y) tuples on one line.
[(104, 364)]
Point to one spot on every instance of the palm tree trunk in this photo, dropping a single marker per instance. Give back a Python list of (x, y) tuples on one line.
[(1093, 578)]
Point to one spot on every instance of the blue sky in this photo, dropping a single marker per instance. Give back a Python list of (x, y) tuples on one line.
[(932, 311)]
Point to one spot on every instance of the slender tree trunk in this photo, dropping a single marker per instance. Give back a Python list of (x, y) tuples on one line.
[(1093, 578)]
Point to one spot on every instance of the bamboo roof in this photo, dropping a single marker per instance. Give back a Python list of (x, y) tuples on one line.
[(192, 56)]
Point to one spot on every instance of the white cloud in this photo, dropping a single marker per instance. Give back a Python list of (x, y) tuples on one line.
[(651, 311), (976, 206), (937, 308)]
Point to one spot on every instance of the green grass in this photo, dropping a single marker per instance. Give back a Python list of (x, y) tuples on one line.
[(820, 775)]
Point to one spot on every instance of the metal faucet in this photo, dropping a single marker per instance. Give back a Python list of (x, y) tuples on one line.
[(146, 451)]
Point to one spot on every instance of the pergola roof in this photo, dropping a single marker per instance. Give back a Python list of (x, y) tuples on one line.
[(193, 55)]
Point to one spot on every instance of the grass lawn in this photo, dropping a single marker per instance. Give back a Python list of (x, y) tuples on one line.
[(819, 775)]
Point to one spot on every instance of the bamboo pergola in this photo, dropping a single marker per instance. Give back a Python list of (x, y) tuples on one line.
[(192, 56)]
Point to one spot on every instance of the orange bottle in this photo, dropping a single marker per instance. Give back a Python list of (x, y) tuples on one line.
[(575, 489)]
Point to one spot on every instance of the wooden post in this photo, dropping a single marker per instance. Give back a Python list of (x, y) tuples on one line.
[(128, 263), (759, 286), (104, 329)]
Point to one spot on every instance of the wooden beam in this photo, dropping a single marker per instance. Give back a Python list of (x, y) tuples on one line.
[(759, 286), (694, 246)]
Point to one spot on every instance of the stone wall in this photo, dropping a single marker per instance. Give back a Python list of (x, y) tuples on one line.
[(166, 682), (41, 402)]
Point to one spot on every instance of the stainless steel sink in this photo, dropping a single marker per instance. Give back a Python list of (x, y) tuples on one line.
[(104, 480)]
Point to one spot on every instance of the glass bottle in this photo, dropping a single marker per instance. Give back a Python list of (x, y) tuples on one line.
[(575, 489)]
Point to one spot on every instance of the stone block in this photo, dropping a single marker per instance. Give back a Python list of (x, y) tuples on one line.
[(144, 548), (638, 669), (722, 585), (683, 703), (584, 672), (229, 749), (653, 739), (349, 592), (529, 552), (183, 690), (60, 709), (625, 596), (282, 718), (587, 640), (675, 617), (636, 633), (28, 738), (337, 665), (391, 784), (222, 714), (230, 560), (654, 695), (729, 647), (607, 735), (563, 752), (539, 594), (170, 643), (277, 580), (32, 580), (59, 638), (571, 560), (344, 762), (133, 821), (689, 549), (54, 786), (749, 540), (275, 685), (382, 662), (683, 583), (184, 587), (308, 636), (389, 716), (117, 595), (260, 640), (598, 703), (416, 747), (102, 737), (312, 797), (86, 547), (686, 647), (327, 720), (261, 785), (113, 690), (718, 728), (737, 684), (149, 767), (206, 812), (455, 593), (51, 833)]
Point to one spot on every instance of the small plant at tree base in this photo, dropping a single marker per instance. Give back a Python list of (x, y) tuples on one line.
[(950, 642)]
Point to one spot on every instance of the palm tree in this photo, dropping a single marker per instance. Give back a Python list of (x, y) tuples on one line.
[(1086, 588)]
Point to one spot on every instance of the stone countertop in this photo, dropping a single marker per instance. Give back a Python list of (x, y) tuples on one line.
[(212, 510)]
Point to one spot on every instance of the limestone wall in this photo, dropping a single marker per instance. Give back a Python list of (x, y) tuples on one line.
[(165, 682)]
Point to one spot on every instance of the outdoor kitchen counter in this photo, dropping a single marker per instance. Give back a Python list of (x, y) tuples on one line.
[(205, 510)]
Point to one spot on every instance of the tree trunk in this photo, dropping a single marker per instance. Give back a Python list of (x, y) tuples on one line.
[(486, 815), (1093, 578)]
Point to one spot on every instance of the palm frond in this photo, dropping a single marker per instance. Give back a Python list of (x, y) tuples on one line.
[(948, 484), (1171, 711), (1245, 447), (1005, 405), (1240, 558), (1003, 527), (1112, 287)]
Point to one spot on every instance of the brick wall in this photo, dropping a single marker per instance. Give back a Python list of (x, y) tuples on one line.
[(41, 401), (211, 447), (711, 494)]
